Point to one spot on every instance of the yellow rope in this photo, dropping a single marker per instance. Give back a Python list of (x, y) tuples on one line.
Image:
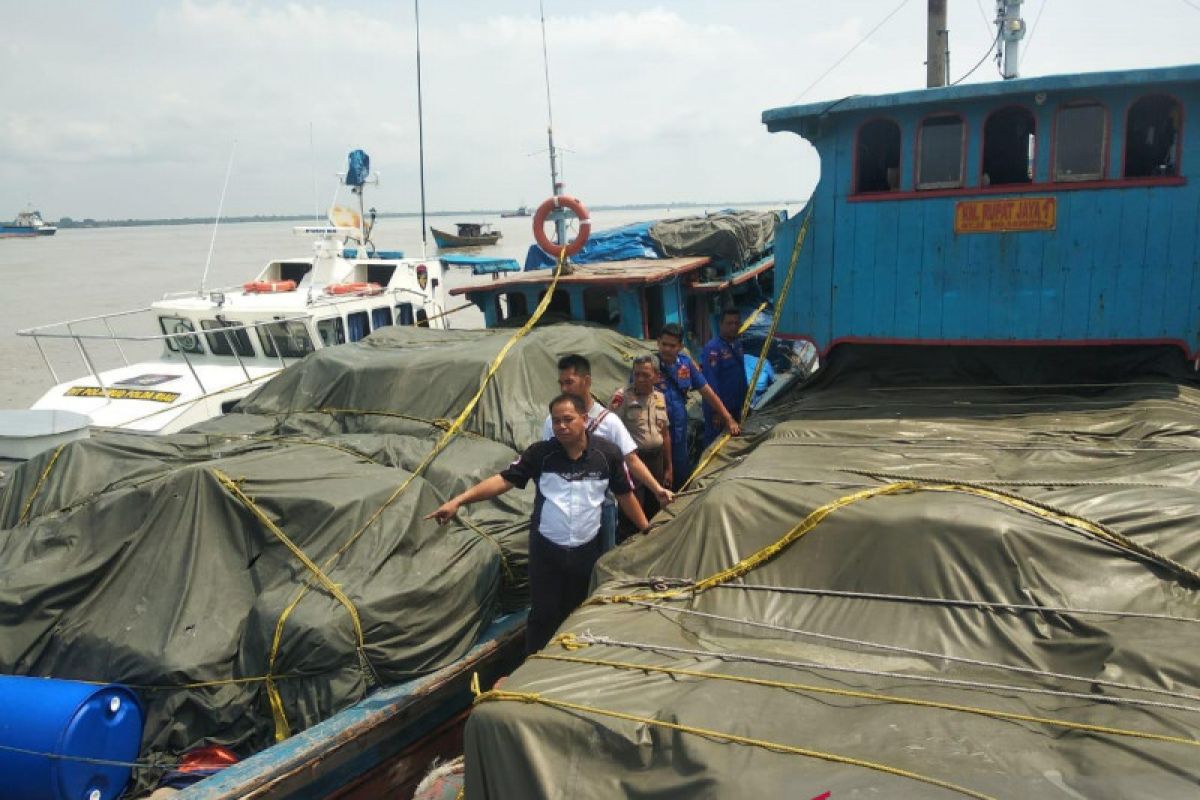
[(40, 483), (455, 426), (753, 316), (442, 423), (886, 698), (281, 723), (708, 733), (783, 294), (757, 559)]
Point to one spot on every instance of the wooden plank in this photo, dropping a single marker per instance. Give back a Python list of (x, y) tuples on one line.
[(885, 259), (1130, 267)]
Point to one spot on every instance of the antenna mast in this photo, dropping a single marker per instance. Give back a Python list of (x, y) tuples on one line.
[(220, 208), (420, 128), (1010, 33), (556, 187)]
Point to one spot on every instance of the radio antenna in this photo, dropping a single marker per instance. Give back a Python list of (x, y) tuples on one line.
[(220, 208), (420, 128)]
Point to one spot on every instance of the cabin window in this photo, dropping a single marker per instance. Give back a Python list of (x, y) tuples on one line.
[(601, 305), (404, 314), (560, 303), (294, 271), (877, 168), (1152, 137), (940, 152), (1080, 141), (332, 331), (1009, 136), (288, 339), (518, 304), (652, 299), (181, 335), (225, 342), (380, 273), (357, 323), (381, 318)]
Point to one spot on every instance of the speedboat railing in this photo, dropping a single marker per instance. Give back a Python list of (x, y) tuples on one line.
[(55, 331)]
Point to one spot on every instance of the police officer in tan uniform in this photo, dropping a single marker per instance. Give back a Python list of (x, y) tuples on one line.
[(643, 409)]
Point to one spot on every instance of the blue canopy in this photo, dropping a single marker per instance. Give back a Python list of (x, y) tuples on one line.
[(358, 169), (628, 241), (482, 265)]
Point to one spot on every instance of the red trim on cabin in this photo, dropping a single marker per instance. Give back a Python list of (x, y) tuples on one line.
[(1178, 133), (1180, 343), (854, 157), (962, 150), (1023, 188), (1107, 129), (983, 144)]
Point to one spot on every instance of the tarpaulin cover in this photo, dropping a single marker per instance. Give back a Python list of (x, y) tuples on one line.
[(733, 239), (626, 242), (129, 559), (963, 573), (481, 265)]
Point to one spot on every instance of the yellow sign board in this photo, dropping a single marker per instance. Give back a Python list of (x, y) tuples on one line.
[(1008, 214), (122, 394)]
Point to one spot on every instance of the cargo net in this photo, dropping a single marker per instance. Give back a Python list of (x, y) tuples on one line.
[(269, 568), (927, 573)]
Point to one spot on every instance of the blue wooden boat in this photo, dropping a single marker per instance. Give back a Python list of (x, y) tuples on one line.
[(1055, 209), (380, 747)]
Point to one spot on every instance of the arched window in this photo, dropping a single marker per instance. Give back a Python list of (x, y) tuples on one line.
[(1152, 137), (1080, 142), (940, 152), (1009, 136), (877, 160)]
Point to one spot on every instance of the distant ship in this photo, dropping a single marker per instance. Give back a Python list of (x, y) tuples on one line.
[(27, 223), (470, 234), (522, 211)]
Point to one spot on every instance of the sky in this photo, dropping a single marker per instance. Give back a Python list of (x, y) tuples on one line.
[(115, 109)]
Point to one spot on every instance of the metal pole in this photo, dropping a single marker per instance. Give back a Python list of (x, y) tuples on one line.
[(935, 52), (420, 129), (556, 187), (1012, 31)]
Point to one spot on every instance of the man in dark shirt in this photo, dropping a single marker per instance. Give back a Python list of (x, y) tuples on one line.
[(572, 473)]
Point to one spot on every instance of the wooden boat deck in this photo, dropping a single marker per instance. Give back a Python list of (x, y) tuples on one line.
[(632, 272)]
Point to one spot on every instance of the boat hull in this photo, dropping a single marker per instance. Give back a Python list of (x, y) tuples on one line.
[(381, 746), (447, 240)]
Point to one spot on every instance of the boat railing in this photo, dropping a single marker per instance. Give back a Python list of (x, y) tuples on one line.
[(177, 342)]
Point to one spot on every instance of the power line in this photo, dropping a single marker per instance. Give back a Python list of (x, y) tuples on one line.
[(1192, 4), (1033, 30), (979, 63), (846, 55)]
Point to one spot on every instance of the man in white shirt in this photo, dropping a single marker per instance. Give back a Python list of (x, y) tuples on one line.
[(575, 378)]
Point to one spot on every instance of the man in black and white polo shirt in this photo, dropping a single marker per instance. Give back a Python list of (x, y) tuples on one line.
[(573, 471)]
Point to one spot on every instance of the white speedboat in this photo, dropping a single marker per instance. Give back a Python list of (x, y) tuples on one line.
[(216, 346)]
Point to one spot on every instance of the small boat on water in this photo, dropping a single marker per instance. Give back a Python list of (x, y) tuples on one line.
[(470, 234), (218, 345), (27, 224), (520, 211)]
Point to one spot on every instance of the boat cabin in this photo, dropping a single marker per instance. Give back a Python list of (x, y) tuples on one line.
[(634, 296), (1058, 210)]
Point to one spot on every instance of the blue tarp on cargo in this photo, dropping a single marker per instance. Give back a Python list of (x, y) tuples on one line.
[(628, 241), (482, 265)]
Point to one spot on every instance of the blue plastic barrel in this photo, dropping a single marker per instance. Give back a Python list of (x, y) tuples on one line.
[(47, 726)]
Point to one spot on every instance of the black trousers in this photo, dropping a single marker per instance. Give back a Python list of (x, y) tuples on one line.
[(558, 583)]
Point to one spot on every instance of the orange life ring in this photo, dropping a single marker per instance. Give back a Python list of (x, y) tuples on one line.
[(354, 288), (539, 223), (268, 287)]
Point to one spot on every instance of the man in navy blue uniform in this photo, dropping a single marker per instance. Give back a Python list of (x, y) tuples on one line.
[(722, 364), (679, 375), (572, 471)]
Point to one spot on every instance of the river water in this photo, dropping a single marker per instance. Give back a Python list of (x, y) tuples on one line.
[(85, 272)]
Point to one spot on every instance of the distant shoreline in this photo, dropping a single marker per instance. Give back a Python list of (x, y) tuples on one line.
[(68, 222)]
